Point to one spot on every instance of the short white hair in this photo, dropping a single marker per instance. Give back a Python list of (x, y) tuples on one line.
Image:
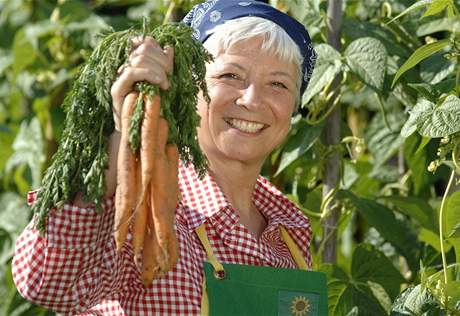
[(276, 41)]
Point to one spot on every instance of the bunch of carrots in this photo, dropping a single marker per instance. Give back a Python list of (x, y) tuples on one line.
[(147, 191), (158, 126)]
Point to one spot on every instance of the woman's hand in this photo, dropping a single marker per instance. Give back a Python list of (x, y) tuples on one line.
[(147, 62)]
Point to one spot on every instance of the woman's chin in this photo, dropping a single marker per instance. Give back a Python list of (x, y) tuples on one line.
[(242, 154)]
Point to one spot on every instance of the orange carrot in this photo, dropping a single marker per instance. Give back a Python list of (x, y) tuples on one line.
[(149, 136), (150, 267), (160, 192), (172, 154), (126, 176), (140, 222)]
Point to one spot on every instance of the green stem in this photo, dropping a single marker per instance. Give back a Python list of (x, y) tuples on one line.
[(330, 234), (312, 120), (454, 158), (441, 217), (384, 113), (311, 213), (170, 10), (457, 77)]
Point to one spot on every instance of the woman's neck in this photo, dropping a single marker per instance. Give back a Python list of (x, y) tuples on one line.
[(237, 181)]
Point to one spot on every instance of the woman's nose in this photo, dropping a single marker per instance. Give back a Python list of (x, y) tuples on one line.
[(251, 96)]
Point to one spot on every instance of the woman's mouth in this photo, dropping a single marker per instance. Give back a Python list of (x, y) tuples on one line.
[(245, 126)]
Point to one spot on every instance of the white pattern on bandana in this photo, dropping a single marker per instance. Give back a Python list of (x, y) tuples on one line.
[(215, 16)]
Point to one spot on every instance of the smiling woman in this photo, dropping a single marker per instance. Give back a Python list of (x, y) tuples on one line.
[(232, 222), (252, 99)]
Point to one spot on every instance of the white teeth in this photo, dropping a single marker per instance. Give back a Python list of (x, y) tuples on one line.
[(245, 126)]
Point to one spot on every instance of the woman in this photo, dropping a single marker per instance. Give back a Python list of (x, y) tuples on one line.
[(232, 216)]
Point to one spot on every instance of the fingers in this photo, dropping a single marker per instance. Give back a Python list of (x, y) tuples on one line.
[(124, 84), (150, 48), (147, 62)]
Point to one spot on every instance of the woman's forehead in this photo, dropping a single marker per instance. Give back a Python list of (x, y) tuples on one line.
[(246, 47), (249, 50)]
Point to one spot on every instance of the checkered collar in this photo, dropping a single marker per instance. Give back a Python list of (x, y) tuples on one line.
[(203, 200)]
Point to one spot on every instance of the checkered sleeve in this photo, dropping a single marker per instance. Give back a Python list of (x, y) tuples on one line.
[(74, 265)]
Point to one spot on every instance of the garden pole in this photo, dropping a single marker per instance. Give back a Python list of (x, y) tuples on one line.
[(331, 137)]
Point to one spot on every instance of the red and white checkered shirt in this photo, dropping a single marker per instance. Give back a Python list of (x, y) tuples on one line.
[(75, 268)]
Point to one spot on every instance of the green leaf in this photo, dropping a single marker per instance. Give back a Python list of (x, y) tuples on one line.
[(397, 232), (436, 7), (327, 67), (452, 221), (299, 144), (414, 115), (24, 53), (369, 264), (438, 25), (432, 238), (73, 11), (439, 121), (381, 295), (28, 149), (455, 232), (425, 141), (416, 301), (14, 216), (6, 60), (420, 54), (415, 208), (366, 58), (14, 213), (413, 7), (353, 29), (382, 142), (433, 92), (346, 296), (452, 212), (426, 90), (6, 140), (436, 68)]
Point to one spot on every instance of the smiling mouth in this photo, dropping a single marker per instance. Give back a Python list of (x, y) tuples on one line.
[(245, 126)]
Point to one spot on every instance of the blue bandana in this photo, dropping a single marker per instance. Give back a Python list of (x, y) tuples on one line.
[(204, 17)]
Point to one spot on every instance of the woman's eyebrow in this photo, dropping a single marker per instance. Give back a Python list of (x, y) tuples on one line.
[(234, 64), (273, 73), (281, 73)]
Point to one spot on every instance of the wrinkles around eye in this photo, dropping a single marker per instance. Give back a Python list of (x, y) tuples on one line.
[(229, 76)]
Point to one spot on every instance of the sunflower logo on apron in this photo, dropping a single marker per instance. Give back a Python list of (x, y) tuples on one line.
[(300, 306)]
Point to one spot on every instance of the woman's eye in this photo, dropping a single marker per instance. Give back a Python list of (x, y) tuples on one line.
[(229, 76), (279, 85)]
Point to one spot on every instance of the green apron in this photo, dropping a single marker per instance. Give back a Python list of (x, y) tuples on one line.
[(234, 289)]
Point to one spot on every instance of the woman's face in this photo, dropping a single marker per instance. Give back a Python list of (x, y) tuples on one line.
[(252, 101)]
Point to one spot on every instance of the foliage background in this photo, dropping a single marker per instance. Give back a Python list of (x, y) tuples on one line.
[(388, 201)]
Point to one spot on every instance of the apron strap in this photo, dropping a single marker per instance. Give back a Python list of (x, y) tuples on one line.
[(295, 252), (201, 232)]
